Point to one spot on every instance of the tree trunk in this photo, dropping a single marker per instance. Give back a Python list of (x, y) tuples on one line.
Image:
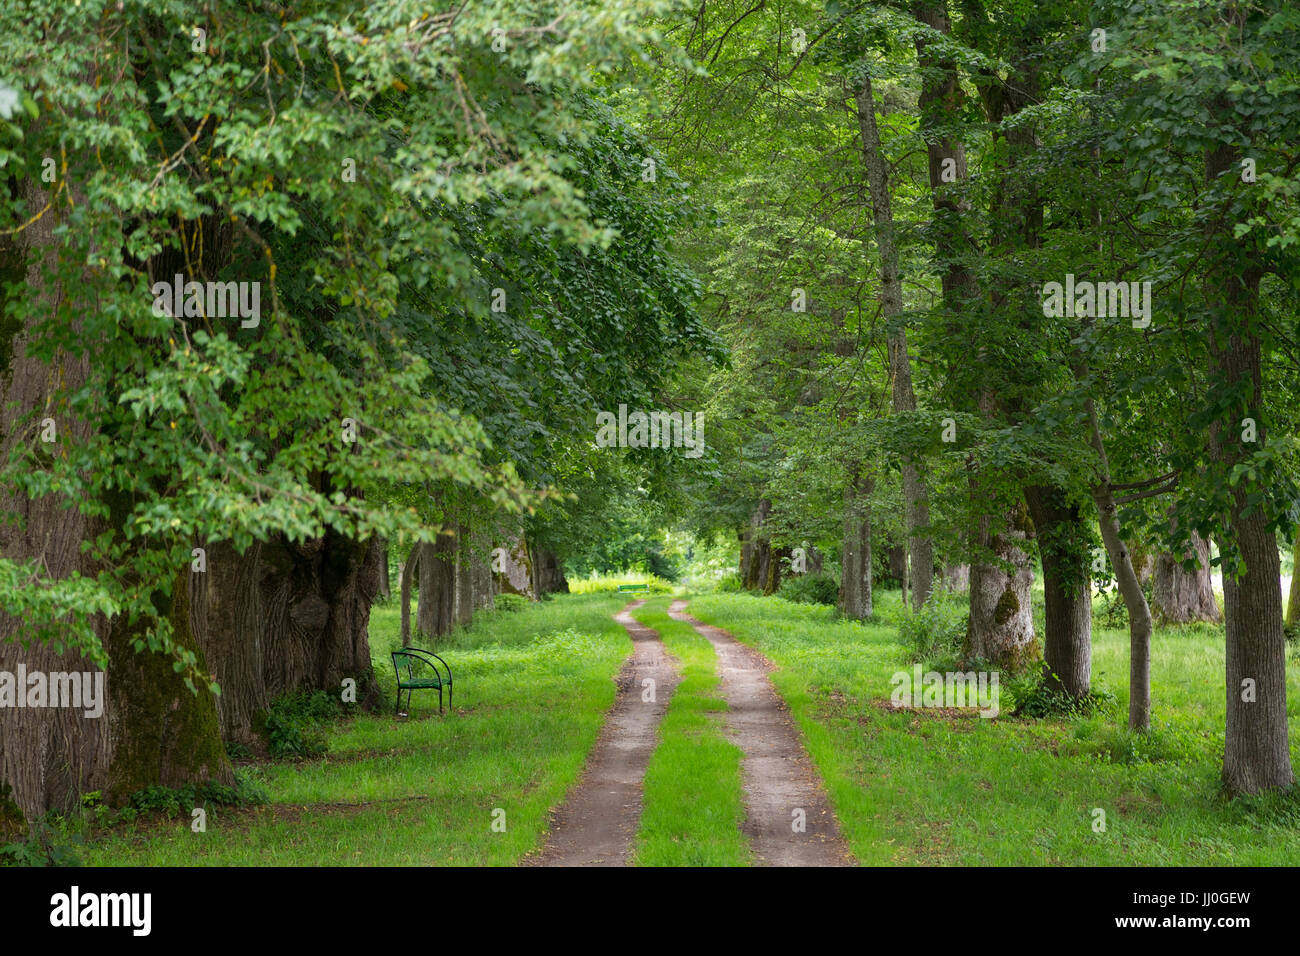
[(435, 613), (163, 734), (1181, 596), (227, 616), (776, 557), (483, 581), (916, 500), (48, 755), (407, 580), (463, 611), (855, 576), (1067, 590), (897, 563), (1126, 576), (755, 569), (956, 577), (550, 573), (1001, 625), (1256, 755), (518, 575), (317, 595), (385, 590)]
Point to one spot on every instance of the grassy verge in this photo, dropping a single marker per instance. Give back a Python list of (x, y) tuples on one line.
[(692, 807), (532, 689), (915, 788)]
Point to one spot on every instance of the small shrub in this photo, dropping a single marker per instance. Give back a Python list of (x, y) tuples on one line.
[(936, 630), (1034, 697), (293, 724), (810, 589), (730, 583)]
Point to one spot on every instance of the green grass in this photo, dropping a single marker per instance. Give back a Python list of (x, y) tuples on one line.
[(913, 788), (532, 690), (692, 805), (597, 583)]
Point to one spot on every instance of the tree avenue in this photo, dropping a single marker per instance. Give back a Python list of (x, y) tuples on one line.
[(311, 308)]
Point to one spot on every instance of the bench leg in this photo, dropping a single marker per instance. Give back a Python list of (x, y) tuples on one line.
[(397, 707), (439, 701)]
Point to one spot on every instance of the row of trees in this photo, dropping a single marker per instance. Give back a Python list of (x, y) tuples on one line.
[(898, 186), (459, 260)]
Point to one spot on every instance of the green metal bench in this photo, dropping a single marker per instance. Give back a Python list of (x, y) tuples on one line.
[(634, 589), (421, 674)]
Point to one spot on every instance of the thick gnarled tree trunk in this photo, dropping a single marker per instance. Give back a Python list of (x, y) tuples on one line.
[(227, 616), (48, 755), (1181, 596), (1001, 626), (317, 596), (163, 734)]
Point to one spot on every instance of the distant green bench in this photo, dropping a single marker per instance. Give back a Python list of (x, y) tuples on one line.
[(421, 674), (634, 589)]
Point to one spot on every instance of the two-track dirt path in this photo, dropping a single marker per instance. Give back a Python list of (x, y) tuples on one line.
[(789, 821), (778, 778), (597, 825)]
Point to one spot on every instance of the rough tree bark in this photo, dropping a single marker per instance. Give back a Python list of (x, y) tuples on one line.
[(916, 502), (1001, 625), (1256, 755), (317, 596), (435, 615), (855, 600), (163, 734), (227, 616), (482, 579), (756, 564), (518, 575), (407, 580), (48, 755), (463, 608), (1181, 596), (1067, 586)]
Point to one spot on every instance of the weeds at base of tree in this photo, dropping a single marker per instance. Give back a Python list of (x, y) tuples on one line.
[(820, 588), (294, 725), (1276, 808), (935, 631), (510, 603), (171, 803), (1034, 698), (53, 840), (40, 850)]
